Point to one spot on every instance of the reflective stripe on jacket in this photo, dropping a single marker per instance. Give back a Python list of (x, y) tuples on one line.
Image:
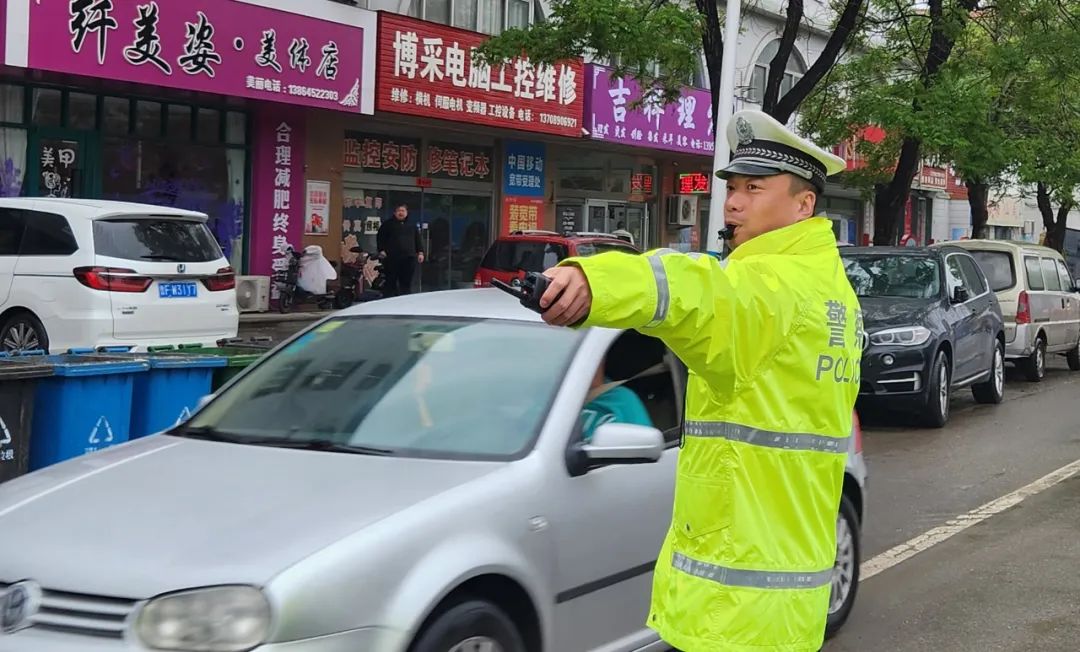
[(772, 342)]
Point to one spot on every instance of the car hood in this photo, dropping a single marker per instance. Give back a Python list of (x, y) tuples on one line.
[(165, 513), (888, 312)]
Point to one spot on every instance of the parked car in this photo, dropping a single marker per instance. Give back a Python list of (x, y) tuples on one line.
[(87, 273), (381, 482), (932, 325), (511, 256), (1038, 298)]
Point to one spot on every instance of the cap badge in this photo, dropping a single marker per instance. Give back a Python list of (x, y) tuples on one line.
[(744, 131)]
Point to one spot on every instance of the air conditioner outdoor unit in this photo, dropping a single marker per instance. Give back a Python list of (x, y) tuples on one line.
[(253, 293), (687, 210)]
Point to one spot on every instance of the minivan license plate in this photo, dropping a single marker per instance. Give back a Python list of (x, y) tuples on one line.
[(184, 290)]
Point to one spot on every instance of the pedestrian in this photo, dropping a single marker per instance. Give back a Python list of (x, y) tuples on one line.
[(747, 563), (399, 242)]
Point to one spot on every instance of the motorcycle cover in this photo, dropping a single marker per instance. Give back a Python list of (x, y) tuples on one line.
[(315, 270)]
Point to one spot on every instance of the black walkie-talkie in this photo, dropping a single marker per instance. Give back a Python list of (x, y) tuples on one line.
[(532, 289), (727, 233)]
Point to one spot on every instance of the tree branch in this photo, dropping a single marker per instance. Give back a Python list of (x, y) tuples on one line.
[(778, 65), (825, 62)]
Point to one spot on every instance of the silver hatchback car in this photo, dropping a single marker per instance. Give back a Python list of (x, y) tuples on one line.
[(411, 474)]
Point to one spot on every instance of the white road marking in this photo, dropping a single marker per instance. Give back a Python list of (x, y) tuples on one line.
[(912, 547)]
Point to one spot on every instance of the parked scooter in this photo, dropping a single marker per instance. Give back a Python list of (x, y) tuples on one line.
[(305, 279), (361, 280)]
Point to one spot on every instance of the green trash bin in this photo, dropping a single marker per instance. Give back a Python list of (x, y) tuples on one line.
[(238, 355)]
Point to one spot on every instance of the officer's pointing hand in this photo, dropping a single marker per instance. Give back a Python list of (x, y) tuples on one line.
[(568, 296)]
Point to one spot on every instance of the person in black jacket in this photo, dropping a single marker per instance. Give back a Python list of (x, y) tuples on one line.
[(399, 242)]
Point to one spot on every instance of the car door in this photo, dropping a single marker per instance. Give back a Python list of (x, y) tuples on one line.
[(610, 522), (11, 235), (1040, 302), (1071, 304), (963, 321), (1055, 332), (982, 304)]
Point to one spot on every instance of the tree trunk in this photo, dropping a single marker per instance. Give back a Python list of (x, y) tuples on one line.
[(1055, 224), (890, 200), (712, 42), (778, 65), (978, 200)]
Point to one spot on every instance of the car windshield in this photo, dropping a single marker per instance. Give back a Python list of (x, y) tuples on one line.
[(527, 255), (405, 386), (892, 275), (150, 238)]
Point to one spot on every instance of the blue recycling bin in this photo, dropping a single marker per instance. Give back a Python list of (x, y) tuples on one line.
[(170, 392), (83, 407)]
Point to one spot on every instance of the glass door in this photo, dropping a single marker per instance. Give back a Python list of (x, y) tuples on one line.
[(637, 223), (58, 164), (457, 235)]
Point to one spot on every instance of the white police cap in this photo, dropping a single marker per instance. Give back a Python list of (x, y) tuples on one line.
[(762, 147)]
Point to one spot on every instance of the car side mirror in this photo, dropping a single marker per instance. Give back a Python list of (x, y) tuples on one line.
[(960, 295), (624, 443)]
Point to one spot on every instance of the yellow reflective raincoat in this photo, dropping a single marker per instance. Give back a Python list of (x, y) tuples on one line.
[(772, 342)]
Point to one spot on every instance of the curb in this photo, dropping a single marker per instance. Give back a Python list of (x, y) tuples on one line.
[(274, 318)]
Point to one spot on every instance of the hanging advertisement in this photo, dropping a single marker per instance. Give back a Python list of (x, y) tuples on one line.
[(521, 214), (317, 215), (523, 173), (277, 174)]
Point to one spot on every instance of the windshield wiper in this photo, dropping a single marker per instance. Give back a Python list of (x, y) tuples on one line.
[(324, 445), (209, 433)]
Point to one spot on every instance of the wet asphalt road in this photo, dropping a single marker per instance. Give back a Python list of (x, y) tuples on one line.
[(1009, 583)]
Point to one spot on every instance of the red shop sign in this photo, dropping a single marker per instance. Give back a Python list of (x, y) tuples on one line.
[(426, 69)]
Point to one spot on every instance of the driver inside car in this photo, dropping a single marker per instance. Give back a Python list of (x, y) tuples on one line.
[(611, 403)]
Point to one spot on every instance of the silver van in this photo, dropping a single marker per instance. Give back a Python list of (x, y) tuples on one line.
[(1039, 301)]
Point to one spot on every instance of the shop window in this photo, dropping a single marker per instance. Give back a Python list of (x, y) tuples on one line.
[(12, 161), (82, 111), (116, 116), (517, 13), (47, 107), (235, 128), (208, 128), (179, 125), (11, 104), (148, 119), (487, 16)]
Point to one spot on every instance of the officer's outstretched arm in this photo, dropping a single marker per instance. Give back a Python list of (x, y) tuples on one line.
[(686, 300)]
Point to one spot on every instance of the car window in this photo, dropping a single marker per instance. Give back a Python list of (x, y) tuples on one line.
[(1067, 282), (160, 239), (1034, 273), (998, 267), (954, 275), (973, 278), (604, 247), (893, 275), (11, 231), (416, 386), (47, 234), (648, 398), (1050, 274), (531, 256)]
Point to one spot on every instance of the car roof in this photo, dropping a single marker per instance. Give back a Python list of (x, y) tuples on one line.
[(93, 209), (483, 303), (888, 251), (551, 236), (1003, 245)]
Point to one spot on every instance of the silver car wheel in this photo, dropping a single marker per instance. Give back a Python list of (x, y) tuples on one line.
[(999, 371), (477, 644), (1040, 360), (844, 569), (943, 391), (21, 337)]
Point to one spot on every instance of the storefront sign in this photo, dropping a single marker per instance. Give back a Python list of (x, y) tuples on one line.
[(932, 177), (521, 214), (683, 126), (277, 180), (463, 162), (427, 69), (641, 184), (378, 154), (59, 160), (570, 218), (228, 47), (693, 183), (317, 215), (523, 174)]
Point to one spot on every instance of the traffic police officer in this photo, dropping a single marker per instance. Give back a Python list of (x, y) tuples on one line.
[(772, 340)]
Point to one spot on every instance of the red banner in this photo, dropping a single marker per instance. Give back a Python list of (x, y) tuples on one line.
[(426, 69), (521, 214)]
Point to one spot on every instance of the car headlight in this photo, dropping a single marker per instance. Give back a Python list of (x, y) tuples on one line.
[(218, 619), (906, 336)]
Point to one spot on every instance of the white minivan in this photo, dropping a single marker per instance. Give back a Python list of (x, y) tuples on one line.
[(78, 273), (1038, 298)]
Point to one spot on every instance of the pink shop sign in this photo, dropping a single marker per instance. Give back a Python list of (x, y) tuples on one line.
[(227, 47), (277, 189)]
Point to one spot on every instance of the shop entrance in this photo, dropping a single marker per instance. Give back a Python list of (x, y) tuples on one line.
[(606, 216), (58, 164), (455, 229)]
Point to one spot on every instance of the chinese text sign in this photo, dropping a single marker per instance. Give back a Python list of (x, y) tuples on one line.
[(521, 214), (523, 174), (277, 180), (427, 69), (378, 154), (683, 126), (226, 47)]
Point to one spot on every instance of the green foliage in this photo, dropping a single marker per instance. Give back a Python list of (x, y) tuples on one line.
[(635, 34)]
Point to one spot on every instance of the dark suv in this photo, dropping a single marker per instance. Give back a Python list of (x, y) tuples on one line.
[(534, 251), (932, 325)]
